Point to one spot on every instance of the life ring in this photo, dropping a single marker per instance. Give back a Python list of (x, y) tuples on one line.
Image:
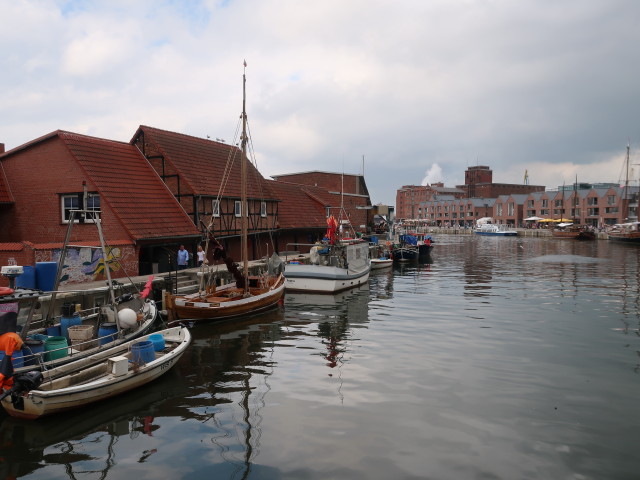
[(6, 291)]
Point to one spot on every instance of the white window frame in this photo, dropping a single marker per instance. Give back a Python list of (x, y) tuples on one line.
[(263, 209), (215, 208), (237, 209), (65, 211)]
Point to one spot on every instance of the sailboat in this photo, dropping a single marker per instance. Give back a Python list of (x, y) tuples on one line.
[(626, 232), (248, 294)]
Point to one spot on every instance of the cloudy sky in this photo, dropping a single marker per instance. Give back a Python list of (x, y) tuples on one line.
[(419, 89)]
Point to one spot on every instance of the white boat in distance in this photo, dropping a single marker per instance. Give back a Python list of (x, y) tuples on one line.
[(380, 263), (91, 379), (332, 268), (495, 229)]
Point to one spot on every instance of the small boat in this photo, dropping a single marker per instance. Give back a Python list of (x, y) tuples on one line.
[(625, 233), (335, 264), (495, 229), (248, 294), (571, 231), (406, 249), (380, 263), (91, 379)]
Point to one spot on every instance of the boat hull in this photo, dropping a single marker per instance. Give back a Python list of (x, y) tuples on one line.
[(573, 235), (322, 278), (405, 254), (497, 234), (380, 263), (219, 305), (38, 403), (625, 238)]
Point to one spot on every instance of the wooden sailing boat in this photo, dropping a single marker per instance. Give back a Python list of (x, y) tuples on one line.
[(249, 294), (626, 232)]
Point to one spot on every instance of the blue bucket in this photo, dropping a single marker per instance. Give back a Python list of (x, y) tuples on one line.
[(46, 273), (142, 352), (30, 351), (107, 333), (28, 277), (16, 358), (158, 341)]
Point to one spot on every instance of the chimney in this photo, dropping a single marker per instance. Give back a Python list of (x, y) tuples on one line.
[(1, 148)]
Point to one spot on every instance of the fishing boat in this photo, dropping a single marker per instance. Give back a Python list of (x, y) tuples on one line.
[(111, 372), (572, 231), (73, 333), (248, 294), (336, 264)]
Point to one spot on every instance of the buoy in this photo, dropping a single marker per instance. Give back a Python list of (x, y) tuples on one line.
[(127, 318)]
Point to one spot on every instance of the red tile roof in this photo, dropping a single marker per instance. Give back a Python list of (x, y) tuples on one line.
[(11, 247), (301, 206), (202, 162), (130, 186)]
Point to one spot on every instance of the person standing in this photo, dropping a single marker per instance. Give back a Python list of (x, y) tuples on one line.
[(200, 254), (183, 258)]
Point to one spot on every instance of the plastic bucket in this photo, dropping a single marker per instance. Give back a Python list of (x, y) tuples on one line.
[(142, 352), (107, 333), (158, 341), (28, 277), (54, 331), (30, 349), (46, 273), (16, 358), (66, 322), (55, 348)]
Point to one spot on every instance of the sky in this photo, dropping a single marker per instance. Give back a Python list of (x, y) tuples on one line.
[(407, 91)]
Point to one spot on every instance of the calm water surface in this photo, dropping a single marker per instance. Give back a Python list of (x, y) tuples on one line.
[(499, 358)]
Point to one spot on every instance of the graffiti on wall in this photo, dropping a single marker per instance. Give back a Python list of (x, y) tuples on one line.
[(86, 264)]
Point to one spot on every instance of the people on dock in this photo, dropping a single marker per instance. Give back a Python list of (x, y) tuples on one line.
[(183, 258), (200, 254)]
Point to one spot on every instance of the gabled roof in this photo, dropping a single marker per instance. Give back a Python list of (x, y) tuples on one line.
[(201, 162), (300, 206), (348, 183), (130, 186)]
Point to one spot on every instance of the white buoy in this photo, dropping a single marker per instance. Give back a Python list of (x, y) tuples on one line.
[(127, 318)]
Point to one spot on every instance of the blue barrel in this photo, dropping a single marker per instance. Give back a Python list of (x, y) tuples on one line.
[(107, 333), (28, 277), (31, 349), (158, 341), (16, 358), (66, 322), (142, 352), (54, 331), (46, 273)]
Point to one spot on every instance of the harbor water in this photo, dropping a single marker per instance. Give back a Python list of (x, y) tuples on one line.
[(495, 358)]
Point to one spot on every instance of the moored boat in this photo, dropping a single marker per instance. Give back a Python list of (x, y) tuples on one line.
[(625, 233), (333, 267), (496, 230), (248, 294), (380, 263), (571, 231), (111, 372)]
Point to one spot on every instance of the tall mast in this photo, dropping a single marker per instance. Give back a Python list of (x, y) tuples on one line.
[(244, 209)]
